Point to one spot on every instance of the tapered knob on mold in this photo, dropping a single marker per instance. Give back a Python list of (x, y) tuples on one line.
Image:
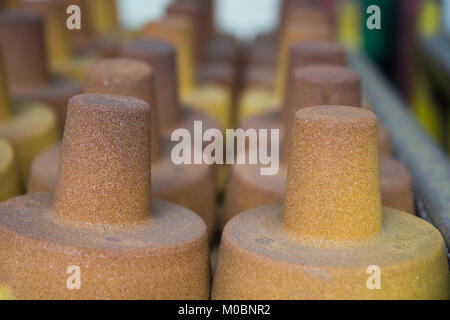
[(101, 219), (125, 77), (333, 185), (109, 183), (331, 232)]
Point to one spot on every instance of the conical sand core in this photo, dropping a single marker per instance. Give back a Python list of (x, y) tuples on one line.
[(191, 186), (100, 218), (331, 228)]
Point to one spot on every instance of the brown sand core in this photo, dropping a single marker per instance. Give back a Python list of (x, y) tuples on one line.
[(249, 189), (21, 39), (161, 57), (112, 161), (331, 228), (125, 77), (190, 186), (100, 217)]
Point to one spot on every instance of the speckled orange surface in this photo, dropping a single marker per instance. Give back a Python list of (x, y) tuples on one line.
[(311, 85), (249, 189), (101, 217), (55, 95), (179, 32), (190, 186), (22, 39), (331, 227)]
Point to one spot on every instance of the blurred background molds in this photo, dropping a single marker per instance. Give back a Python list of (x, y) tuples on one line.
[(28, 127), (23, 46)]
